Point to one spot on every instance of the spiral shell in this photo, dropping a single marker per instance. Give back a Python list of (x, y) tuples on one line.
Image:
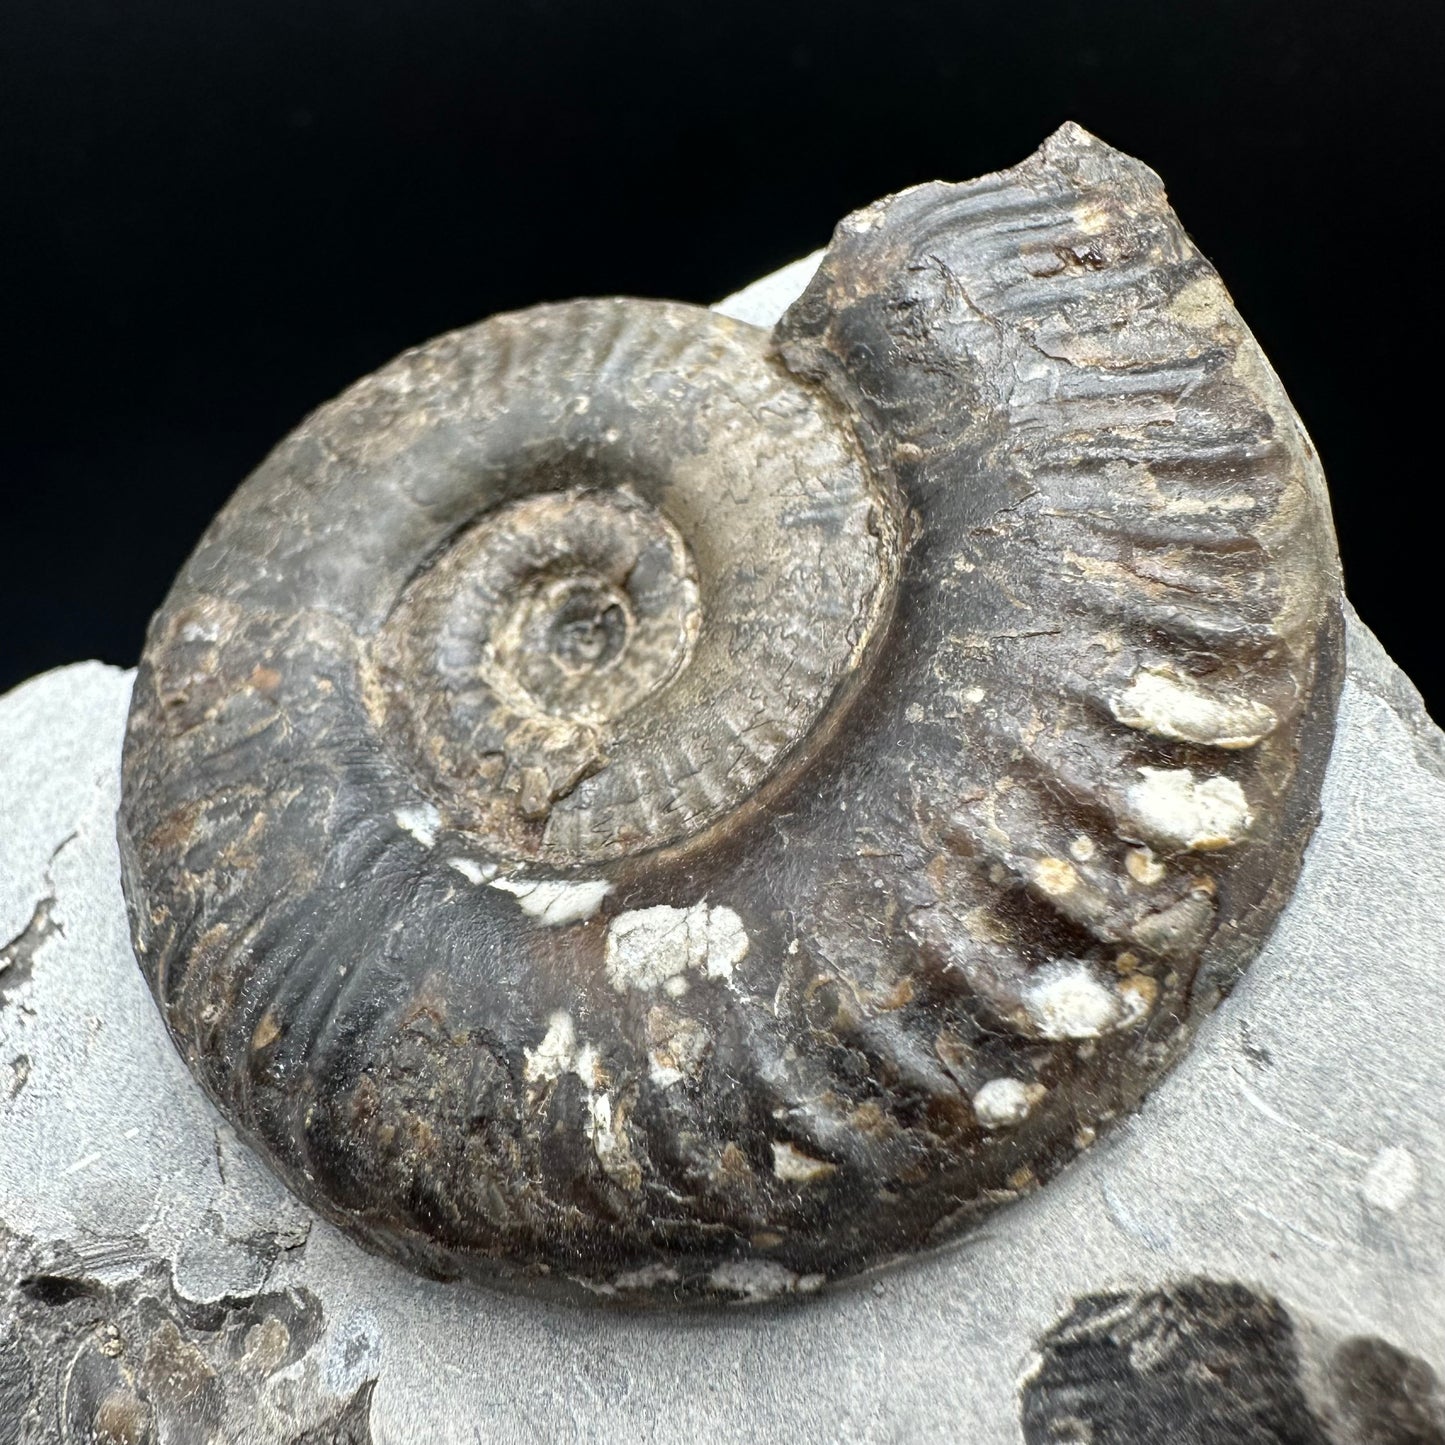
[(627, 799)]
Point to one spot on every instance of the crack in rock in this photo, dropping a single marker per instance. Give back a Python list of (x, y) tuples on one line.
[(17, 957)]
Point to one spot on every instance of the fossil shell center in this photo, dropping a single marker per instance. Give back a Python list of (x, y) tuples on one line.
[(658, 613)]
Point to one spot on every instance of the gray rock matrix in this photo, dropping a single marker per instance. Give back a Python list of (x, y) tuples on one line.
[(156, 1279)]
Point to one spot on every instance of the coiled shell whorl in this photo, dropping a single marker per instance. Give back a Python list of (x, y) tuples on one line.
[(626, 799)]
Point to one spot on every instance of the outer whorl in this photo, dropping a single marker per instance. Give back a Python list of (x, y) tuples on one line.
[(628, 799)]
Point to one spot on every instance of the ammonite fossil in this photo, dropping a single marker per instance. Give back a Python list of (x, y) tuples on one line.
[(627, 799)]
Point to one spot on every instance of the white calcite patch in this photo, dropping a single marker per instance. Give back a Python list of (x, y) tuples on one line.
[(1391, 1180), (796, 1167), (1055, 877), (555, 903), (557, 1053), (1004, 1103), (1069, 1001), (560, 1053), (760, 1279), (1161, 702), (471, 870), (421, 820), (648, 1277), (648, 946), (1143, 867), (608, 1142), (1174, 808)]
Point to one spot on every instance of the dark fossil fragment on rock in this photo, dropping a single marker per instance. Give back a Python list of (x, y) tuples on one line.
[(626, 798), (1214, 1362)]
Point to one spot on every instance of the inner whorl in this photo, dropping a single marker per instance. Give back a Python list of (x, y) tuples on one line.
[(674, 556)]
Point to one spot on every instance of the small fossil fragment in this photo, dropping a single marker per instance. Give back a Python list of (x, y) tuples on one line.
[(1199, 1361), (628, 799)]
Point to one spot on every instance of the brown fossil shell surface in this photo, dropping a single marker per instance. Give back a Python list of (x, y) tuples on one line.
[(626, 799)]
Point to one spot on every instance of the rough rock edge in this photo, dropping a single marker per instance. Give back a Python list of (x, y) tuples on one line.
[(1373, 669)]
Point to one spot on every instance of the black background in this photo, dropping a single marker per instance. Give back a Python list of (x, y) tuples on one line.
[(217, 215)]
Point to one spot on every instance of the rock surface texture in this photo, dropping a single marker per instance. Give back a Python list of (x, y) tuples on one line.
[(632, 802), (1259, 1248)]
